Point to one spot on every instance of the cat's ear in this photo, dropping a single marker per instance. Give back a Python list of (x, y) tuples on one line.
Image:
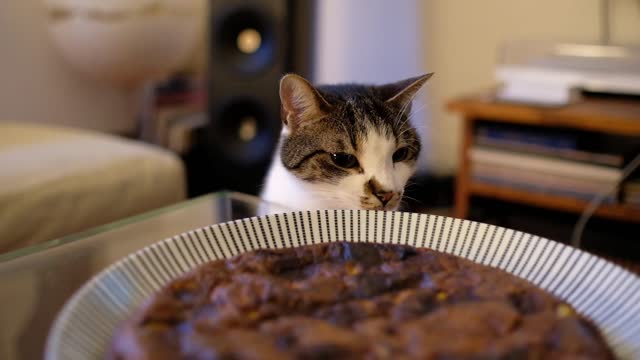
[(301, 102), (403, 91)]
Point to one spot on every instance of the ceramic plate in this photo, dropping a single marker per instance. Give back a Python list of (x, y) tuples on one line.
[(602, 291)]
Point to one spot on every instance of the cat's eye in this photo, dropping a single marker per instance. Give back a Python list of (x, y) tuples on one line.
[(344, 160), (400, 154)]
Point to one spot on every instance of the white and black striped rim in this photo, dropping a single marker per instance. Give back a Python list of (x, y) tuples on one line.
[(602, 291)]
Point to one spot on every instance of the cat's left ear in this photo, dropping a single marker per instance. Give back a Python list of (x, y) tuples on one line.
[(301, 102), (403, 91)]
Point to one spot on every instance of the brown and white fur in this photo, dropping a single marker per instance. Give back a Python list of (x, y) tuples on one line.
[(343, 146)]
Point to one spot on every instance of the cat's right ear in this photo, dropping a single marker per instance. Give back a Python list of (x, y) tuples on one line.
[(301, 102), (403, 91)]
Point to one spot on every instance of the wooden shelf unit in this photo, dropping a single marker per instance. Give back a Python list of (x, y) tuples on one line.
[(611, 116)]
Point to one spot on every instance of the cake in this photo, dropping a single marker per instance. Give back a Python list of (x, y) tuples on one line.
[(354, 301)]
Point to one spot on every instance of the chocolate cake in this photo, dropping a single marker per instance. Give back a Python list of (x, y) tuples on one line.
[(354, 301)]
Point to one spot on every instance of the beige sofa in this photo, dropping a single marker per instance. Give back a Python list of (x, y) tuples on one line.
[(56, 181)]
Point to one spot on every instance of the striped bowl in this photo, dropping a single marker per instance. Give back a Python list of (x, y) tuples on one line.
[(602, 291)]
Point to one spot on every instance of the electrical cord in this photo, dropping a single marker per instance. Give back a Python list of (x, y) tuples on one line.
[(590, 209)]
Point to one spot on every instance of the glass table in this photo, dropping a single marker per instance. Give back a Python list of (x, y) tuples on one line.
[(35, 282)]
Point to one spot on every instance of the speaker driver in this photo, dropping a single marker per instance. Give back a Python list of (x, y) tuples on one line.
[(244, 132), (246, 40)]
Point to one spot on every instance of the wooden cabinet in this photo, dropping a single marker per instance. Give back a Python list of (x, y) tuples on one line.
[(611, 116)]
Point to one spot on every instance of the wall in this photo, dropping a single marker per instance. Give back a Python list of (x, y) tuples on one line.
[(370, 41), (461, 38), (37, 86)]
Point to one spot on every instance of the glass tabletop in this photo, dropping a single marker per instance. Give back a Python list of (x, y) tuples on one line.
[(35, 282)]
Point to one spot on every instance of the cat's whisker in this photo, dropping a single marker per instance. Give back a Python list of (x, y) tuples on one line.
[(406, 105), (410, 117), (402, 110), (407, 130), (410, 183), (404, 122), (406, 203), (400, 116), (410, 198), (416, 111), (419, 127)]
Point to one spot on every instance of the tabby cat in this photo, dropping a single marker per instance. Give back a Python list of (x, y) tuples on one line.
[(344, 146)]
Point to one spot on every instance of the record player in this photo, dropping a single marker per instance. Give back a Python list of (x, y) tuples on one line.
[(559, 73)]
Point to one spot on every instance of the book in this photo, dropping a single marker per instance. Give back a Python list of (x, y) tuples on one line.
[(612, 160), (540, 179), (542, 182), (538, 163), (631, 192), (525, 136), (632, 202), (504, 182)]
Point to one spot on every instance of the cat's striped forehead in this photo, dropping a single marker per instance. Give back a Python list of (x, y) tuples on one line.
[(362, 108)]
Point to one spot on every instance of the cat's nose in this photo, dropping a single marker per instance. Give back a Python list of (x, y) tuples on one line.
[(385, 196)]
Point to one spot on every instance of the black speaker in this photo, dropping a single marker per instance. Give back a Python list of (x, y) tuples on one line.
[(252, 43)]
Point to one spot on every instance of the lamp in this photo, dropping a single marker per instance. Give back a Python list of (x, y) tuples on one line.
[(125, 42)]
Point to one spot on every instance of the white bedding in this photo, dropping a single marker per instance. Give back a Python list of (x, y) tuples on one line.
[(56, 181)]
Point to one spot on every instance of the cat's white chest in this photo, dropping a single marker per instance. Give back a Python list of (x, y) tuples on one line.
[(284, 188)]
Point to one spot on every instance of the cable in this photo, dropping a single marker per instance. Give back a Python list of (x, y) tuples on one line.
[(576, 236)]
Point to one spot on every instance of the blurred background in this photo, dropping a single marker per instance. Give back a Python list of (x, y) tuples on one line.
[(154, 101)]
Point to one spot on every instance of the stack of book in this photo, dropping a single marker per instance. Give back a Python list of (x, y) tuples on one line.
[(631, 192), (546, 163), (176, 111)]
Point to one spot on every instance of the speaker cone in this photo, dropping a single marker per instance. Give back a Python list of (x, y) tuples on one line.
[(245, 40), (244, 132)]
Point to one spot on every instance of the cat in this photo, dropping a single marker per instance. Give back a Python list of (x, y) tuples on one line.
[(343, 146)]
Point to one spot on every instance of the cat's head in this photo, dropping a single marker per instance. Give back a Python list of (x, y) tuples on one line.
[(353, 144)]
